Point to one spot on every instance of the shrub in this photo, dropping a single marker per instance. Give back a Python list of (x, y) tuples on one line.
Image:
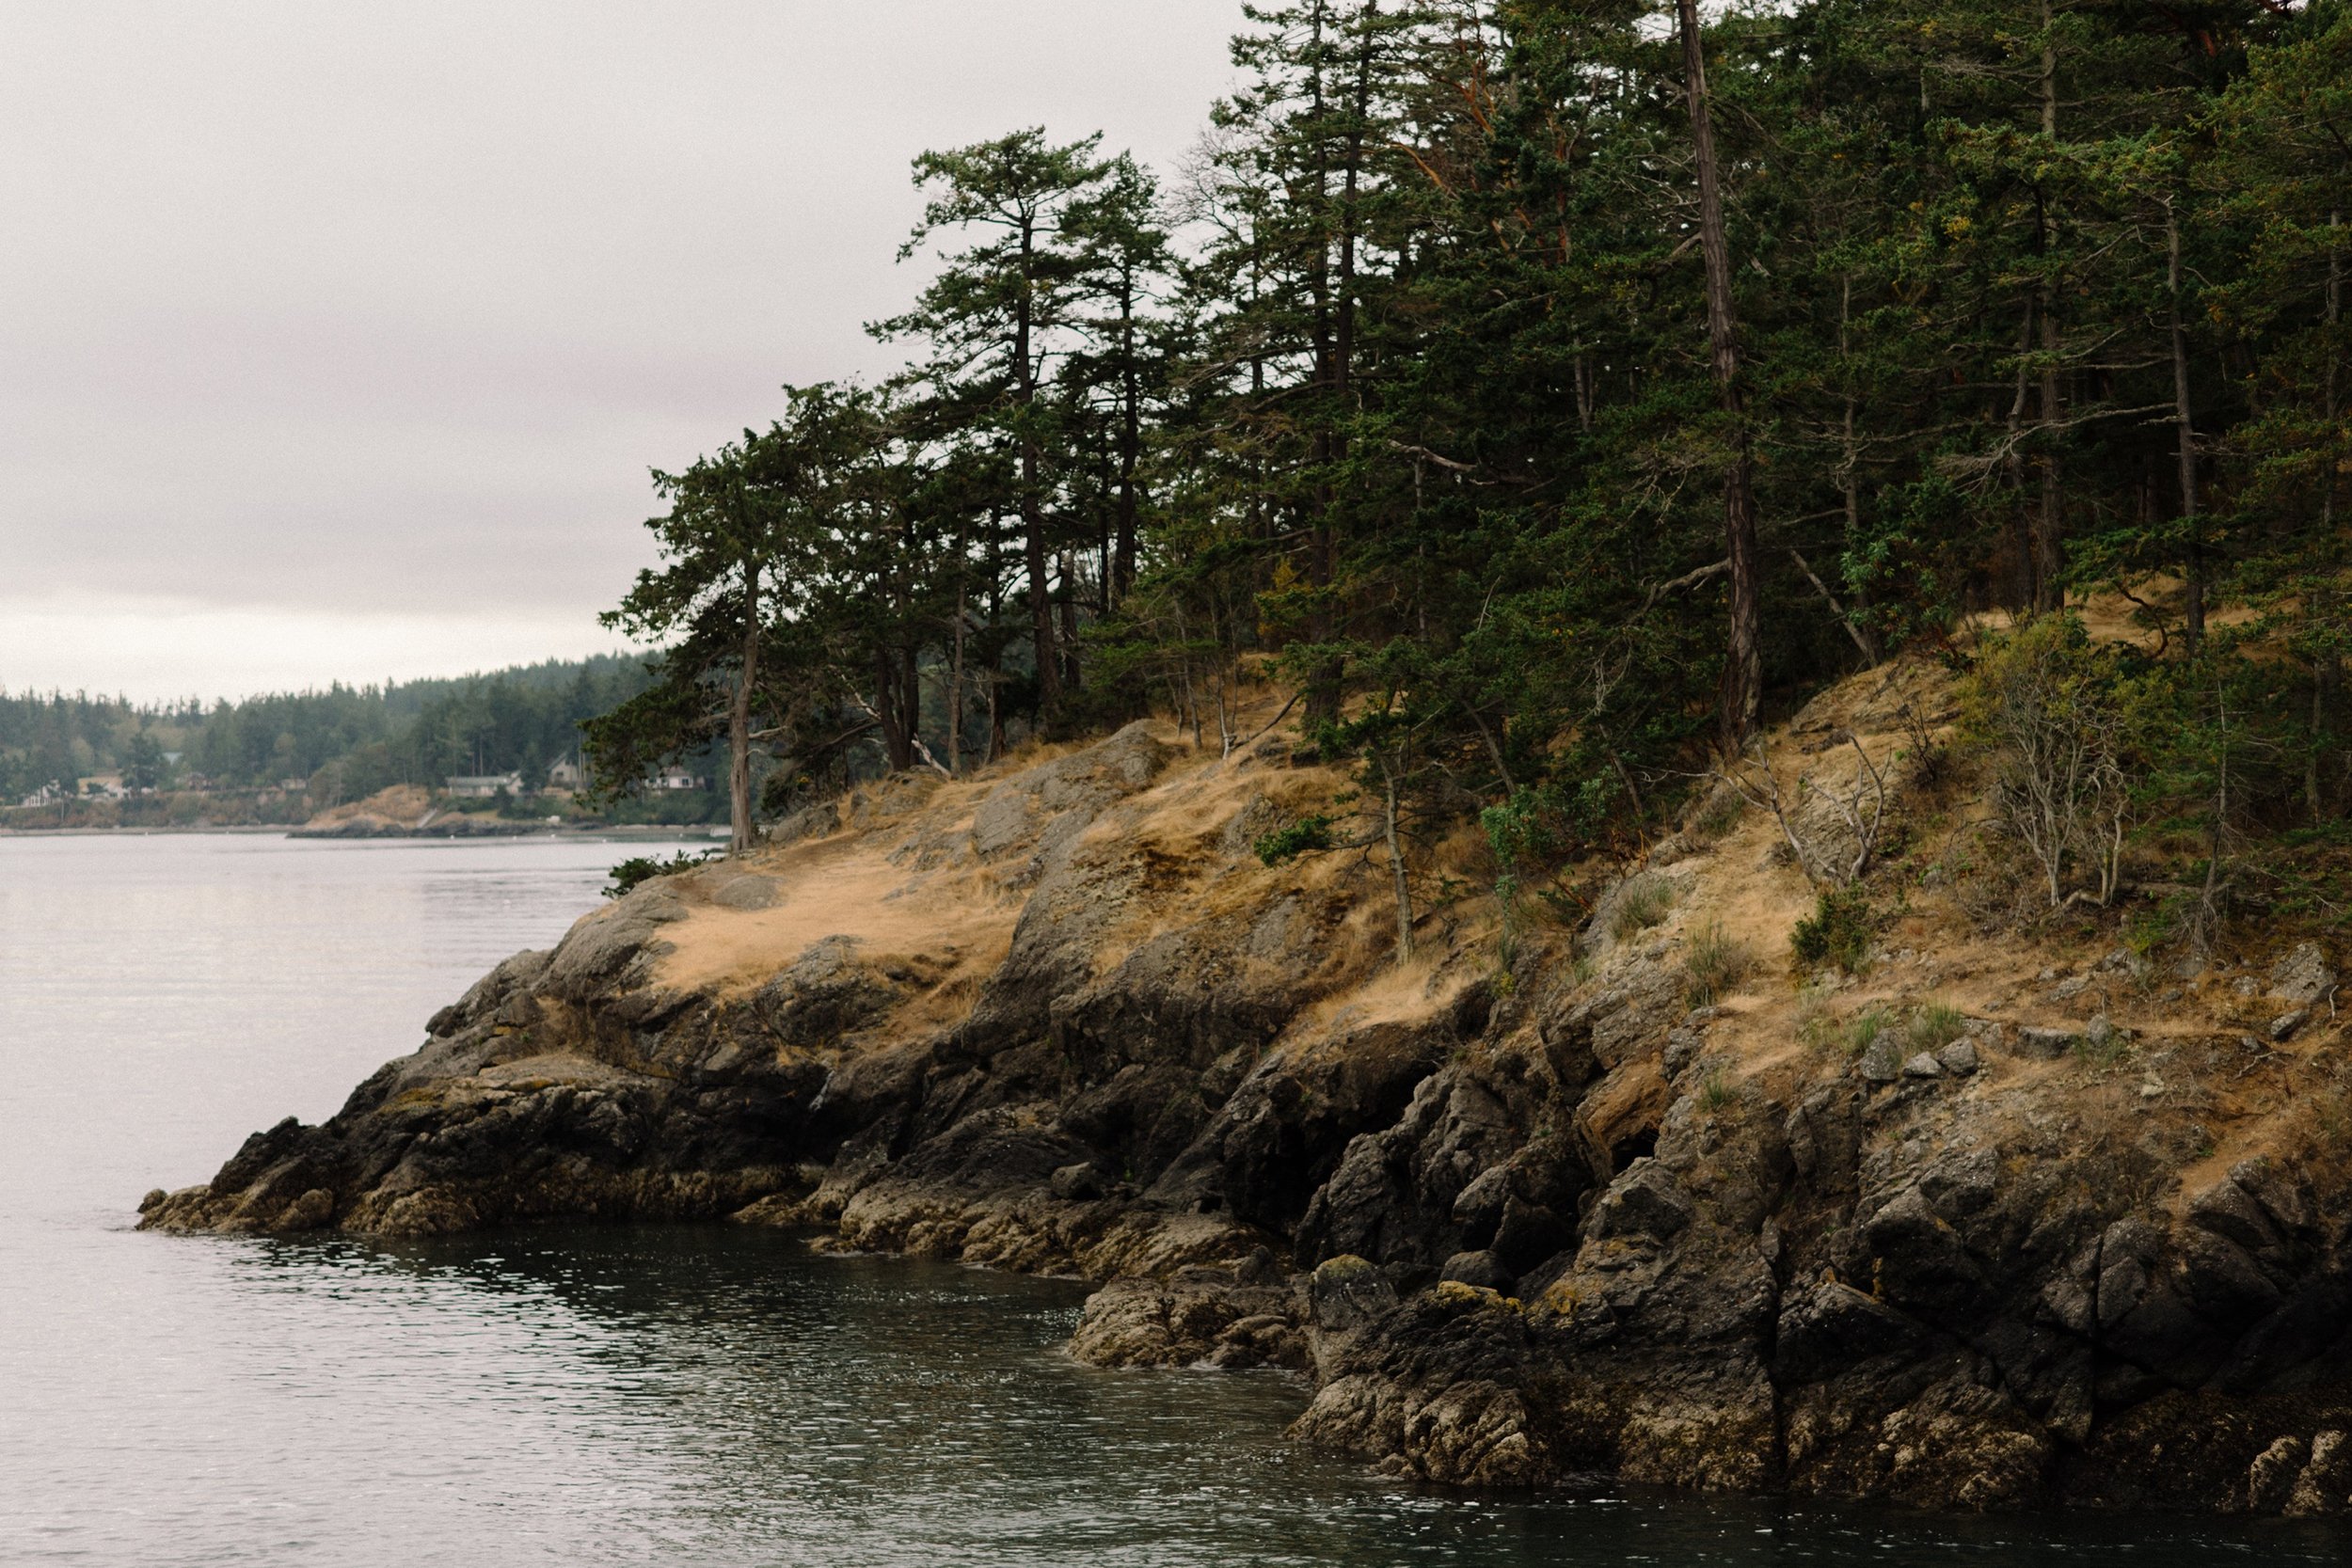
[(637, 869), (1837, 932), (1714, 965), (1934, 1024), (2047, 702), (1717, 1092), (1642, 903), (1305, 834)]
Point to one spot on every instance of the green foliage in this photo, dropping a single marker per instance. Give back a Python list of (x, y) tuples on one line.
[(1716, 1093), (1934, 1024), (1419, 419), (1304, 836), (349, 741), (638, 868), (1837, 932)]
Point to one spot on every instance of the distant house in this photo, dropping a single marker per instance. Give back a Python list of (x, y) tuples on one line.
[(106, 785), (676, 777), (564, 774), (295, 786), (45, 796), (480, 786)]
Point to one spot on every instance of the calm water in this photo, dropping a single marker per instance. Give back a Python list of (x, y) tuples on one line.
[(673, 1397)]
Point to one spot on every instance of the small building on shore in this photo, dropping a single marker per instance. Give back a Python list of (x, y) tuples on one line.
[(482, 786), (564, 774), (677, 778)]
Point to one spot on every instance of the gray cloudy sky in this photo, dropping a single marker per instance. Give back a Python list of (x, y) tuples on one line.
[(336, 339)]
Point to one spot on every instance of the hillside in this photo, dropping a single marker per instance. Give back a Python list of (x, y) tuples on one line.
[(2014, 1213)]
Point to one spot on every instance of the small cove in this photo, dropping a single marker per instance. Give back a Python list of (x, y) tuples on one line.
[(690, 1395)]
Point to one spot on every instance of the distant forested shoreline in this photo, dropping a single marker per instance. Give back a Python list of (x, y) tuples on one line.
[(280, 755)]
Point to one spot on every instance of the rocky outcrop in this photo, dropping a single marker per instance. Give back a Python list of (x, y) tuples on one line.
[(2060, 1239)]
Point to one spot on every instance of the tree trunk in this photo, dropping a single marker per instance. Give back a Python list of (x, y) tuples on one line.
[(1032, 516), (740, 722), (2327, 669), (2028, 584), (1849, 483), (1122, 562), (910, 704), (1323, 690), (2194, 634), (1396, 868), (1742, 698), (1069, 619), (2049, 548), (955, 679)]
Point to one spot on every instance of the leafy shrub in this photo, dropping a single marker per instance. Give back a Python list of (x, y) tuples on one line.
[(637, 869), (2049, 704), (1713, 965), (1934, 1024), (1837, 932), (1642, 903), (1305, 834)]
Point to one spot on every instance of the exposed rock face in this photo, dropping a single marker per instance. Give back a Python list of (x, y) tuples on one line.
[(1515, 1228)]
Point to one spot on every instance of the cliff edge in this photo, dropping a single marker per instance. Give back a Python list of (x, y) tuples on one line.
[(1999, 1219)]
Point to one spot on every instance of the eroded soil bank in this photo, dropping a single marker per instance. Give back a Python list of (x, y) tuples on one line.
[(1997, 1224)]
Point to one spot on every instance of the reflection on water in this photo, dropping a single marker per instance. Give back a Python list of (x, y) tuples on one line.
[(618, 1395)]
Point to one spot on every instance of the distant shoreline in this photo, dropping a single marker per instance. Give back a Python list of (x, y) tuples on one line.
[(626, 833)]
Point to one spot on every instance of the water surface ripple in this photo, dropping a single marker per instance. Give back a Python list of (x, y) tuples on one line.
[(691, 1395)]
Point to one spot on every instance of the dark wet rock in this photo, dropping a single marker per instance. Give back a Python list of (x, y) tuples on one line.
[(1200, 1314), (1534, 1246), (1482, 1268)]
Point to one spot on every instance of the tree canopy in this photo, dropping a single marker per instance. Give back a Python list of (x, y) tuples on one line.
[(1548, 388)]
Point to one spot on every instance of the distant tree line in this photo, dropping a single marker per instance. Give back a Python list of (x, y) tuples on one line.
[(1544, 388), (353, 740)]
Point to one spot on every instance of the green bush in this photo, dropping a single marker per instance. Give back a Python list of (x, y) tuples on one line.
[(637, 869), (1307, 833), (1837, 932)]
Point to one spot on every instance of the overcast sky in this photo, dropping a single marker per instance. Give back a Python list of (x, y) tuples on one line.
[(336, 339)]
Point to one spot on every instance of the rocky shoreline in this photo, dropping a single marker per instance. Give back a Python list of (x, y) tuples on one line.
[(1515, 1223)]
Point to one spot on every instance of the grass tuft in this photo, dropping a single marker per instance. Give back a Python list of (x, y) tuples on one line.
[(1934, 1024), (1642, 903), (1864, 1028), (1713, 965), (1717, 818)]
